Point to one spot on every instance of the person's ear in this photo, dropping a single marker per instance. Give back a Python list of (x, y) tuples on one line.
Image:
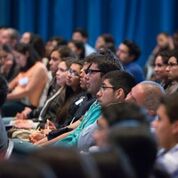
[(131, 58), (120, 94), (175, 127)]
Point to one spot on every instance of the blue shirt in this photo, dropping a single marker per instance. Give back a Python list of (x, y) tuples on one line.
[(134, 69)]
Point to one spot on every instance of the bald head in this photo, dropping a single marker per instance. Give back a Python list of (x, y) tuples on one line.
[(146, 94)]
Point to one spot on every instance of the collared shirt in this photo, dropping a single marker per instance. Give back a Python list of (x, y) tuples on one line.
[(134, 69), (169, 159)]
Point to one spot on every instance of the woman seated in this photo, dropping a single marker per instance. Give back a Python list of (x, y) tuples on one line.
[(26, 88), (8, 67), (70, 88)]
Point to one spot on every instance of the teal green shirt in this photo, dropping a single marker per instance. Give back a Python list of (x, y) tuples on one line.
[(89, 118)]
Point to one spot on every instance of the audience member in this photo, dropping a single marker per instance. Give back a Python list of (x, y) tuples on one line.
[(166, 130), (113, 163), (114, 88), (163, 44), (160, 65), (20, 168), (80, 34), (8, 68), (66, 162), (78, 48), (105, 41), (128, 52), (26, 88), (172, 70), (147, 95)]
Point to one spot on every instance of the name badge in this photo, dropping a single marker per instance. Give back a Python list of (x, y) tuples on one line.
[(23, 81)]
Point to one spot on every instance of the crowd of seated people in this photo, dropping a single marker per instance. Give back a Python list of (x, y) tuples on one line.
[(69, 109)]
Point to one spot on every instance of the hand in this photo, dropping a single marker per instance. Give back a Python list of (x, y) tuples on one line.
[(24, 113), (20, 116), (36, 136), (23, 124), (50, 125)]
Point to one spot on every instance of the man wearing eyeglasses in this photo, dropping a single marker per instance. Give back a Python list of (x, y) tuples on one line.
[(99, 65), (114, 88)]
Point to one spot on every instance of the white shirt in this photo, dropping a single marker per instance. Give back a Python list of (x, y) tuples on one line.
[(169, 160)]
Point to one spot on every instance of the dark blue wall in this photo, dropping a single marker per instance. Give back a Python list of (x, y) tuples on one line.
[(139, 20)]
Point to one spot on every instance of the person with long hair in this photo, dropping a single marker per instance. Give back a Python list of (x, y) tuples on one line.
[(26, 88)]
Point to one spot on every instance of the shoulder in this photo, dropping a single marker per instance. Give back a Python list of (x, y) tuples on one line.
[(169, 160), (39, 67)]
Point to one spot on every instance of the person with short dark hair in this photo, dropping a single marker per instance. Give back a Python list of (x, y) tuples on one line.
[(166, 130), (114, 88), (105, 41), (66, 162), (128, 52), (125, 125), (29, 168), (99, 65), (113, 163), (113, 114), (80, 34), (78, 48), (138, 143)]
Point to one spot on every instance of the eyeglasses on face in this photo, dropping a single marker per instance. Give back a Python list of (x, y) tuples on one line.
[(73, 73), (171, 64), (159, 65), (54, 59), (62, 70), (90, 71), (103, 88)]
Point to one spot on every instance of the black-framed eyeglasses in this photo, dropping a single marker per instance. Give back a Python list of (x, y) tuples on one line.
[(172, 64), (54, 58), (62, 70), (73, 73), (90, 71), (103, 88), (160, 65)]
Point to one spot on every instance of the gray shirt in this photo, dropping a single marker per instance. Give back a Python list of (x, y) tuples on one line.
[(86, 139)]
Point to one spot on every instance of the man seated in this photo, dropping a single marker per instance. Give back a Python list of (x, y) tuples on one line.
[(114, 88), (128, 52), (100, 64), (147, 95), (166, 130)]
